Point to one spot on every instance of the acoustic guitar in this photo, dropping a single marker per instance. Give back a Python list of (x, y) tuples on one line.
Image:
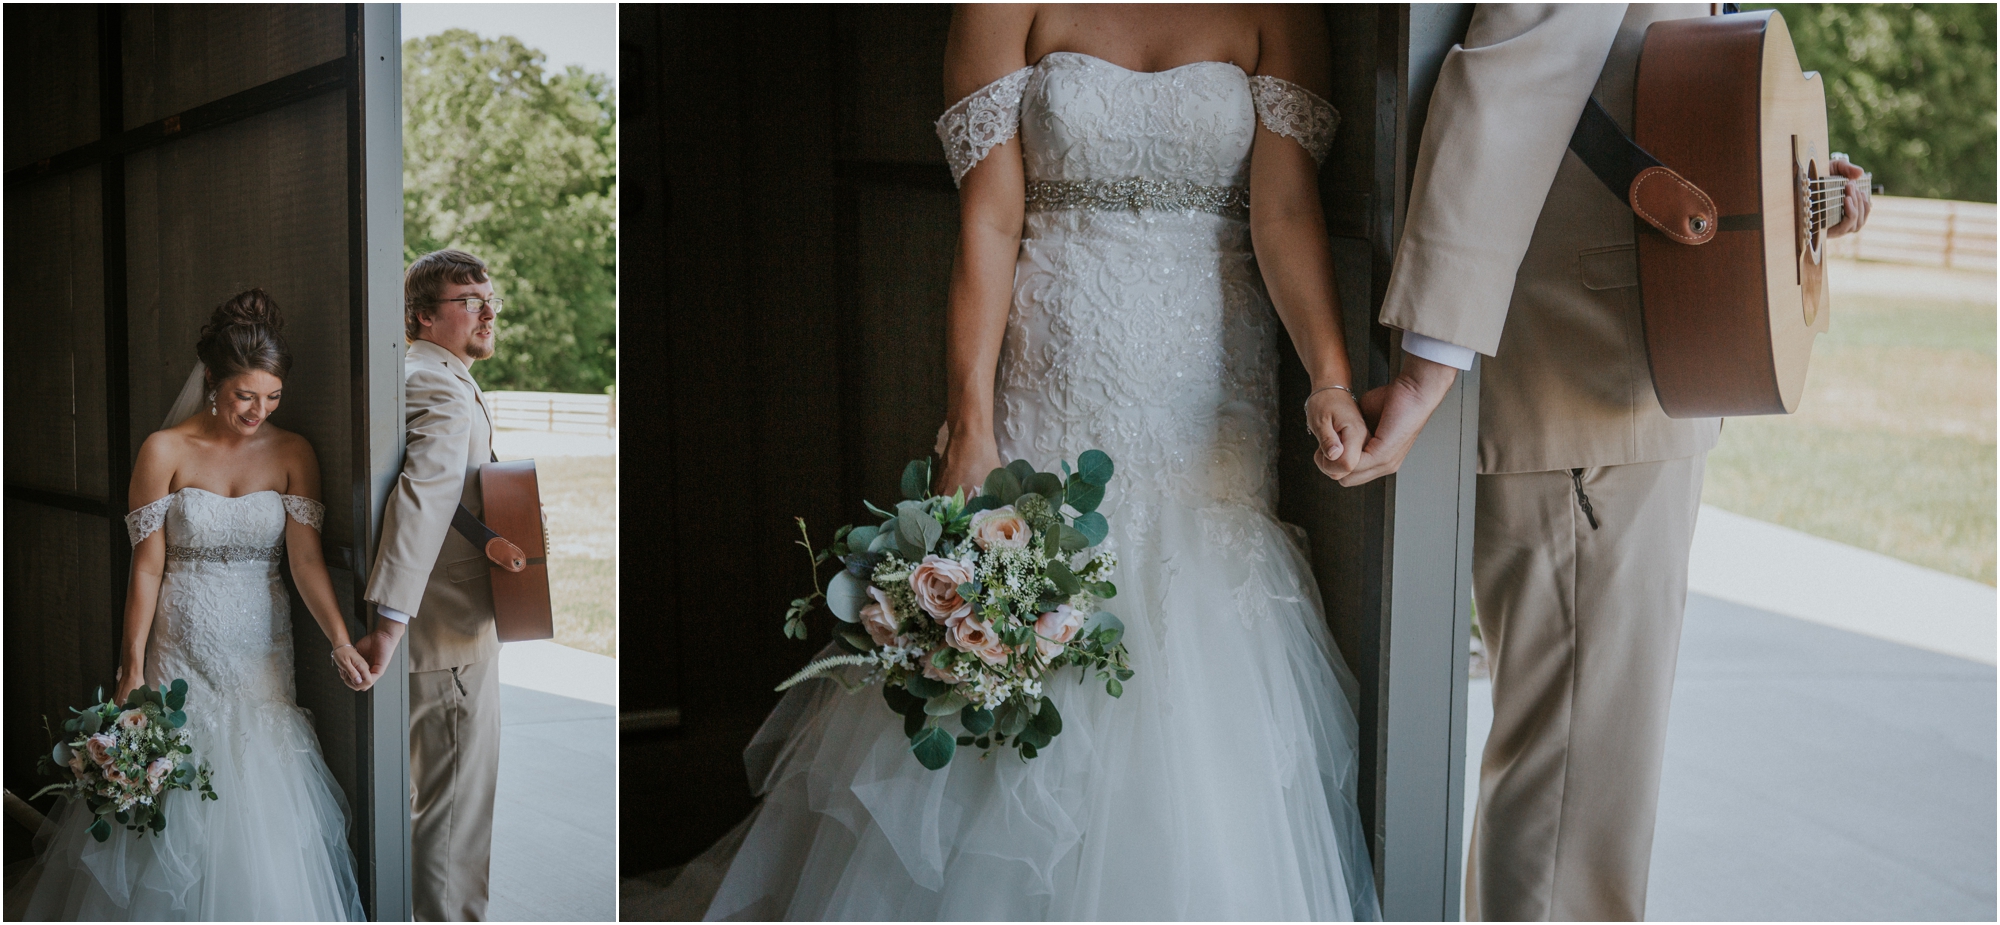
[(1727, 173), (515, 537)]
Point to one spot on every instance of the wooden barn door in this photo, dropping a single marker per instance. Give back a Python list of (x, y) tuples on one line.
[(158, 160)]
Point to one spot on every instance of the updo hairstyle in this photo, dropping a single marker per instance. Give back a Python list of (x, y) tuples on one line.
[(244, 334)]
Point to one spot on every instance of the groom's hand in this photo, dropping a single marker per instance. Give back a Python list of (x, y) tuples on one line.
[(379, 645), (1396, 413)]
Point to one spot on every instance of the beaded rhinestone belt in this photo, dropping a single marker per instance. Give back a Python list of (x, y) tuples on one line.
[(226, 553), (1136, 194)]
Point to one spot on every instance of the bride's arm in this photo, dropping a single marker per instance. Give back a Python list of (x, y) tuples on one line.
[(152, 475), (1288, 231), (308, 560), (986, 43)]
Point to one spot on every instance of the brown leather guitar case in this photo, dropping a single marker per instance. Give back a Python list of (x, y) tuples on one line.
[(513, 501)]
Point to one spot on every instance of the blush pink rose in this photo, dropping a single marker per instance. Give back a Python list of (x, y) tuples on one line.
[(134, 720), (157, 773), (1000, 526), (879, 618), (976, 636), (1055, 629), (99, 747), (936, 582), (935, 673)]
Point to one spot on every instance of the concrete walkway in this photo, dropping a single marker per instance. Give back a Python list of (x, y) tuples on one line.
[(555, 852), (1826, 759)]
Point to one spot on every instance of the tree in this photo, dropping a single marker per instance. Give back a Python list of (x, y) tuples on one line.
[(1909, 90), (519, 168)]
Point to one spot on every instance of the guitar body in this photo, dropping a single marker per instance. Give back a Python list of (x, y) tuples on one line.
[(1730, 323), (513, 502)]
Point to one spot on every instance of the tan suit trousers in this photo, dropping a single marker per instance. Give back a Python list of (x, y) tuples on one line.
[(454, 774), (1582, 627)]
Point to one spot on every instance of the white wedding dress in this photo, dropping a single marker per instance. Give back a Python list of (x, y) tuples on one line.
[(1222, 784), (273, 847)]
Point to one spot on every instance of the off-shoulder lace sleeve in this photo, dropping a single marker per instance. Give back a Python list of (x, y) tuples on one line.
[(141, 523), (305, 510), (981, 122), (1296, 113)]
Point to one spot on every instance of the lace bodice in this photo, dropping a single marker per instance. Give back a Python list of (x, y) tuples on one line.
[(223, 620), (1084, 119)]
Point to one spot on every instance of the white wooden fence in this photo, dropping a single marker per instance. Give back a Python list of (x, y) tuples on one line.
[(1924, 232), (557, 412)]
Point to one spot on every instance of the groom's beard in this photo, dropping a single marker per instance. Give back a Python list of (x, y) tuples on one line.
[(480, 349)]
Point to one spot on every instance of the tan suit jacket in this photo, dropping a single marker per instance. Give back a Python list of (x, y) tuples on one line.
[(1513, 248), (423, 567)]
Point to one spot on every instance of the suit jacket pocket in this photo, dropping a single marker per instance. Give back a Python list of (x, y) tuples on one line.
[(1614, 267), (467, 569)]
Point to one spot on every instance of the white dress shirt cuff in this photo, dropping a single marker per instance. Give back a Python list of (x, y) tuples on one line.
[(391, 613), (1438, 351)]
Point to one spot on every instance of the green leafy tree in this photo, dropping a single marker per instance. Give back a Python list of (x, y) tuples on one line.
[(518, 167), (1909, 90)]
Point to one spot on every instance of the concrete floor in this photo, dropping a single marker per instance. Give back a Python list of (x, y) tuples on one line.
[(555, 825), (1816, 774)]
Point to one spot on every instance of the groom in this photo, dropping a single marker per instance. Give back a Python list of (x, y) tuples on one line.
[(431, 584), (1587, 491)]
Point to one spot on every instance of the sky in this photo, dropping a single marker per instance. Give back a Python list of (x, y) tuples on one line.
[(584, 34)]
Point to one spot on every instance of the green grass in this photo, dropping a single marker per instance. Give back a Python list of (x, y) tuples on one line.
[(1892, 448)]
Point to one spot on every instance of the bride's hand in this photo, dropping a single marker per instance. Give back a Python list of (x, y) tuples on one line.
[(129, 678), (353, 668), (1335, 419), (964, 461)]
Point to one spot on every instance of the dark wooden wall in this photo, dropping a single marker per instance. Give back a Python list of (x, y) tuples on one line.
[(788, 224), (160, 159)]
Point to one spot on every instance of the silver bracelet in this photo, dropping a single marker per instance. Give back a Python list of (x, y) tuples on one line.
[(1309, 398), (329, 655)]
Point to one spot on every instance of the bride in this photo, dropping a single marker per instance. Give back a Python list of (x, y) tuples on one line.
[(1138, 189), (219, 496)]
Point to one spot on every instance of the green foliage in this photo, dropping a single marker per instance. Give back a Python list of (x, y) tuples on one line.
[(1909, 90), (519, 168)]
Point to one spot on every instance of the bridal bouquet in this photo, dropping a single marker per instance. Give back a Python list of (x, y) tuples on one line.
[(122, 760), (962, 607)]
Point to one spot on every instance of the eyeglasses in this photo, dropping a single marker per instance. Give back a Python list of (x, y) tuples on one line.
[(475, 305)]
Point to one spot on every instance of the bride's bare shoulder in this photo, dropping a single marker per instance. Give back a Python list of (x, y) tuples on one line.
[(987, 42), (153, 472)]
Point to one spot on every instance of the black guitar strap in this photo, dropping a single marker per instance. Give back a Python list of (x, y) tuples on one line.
[(1609, 153), (470, 527)]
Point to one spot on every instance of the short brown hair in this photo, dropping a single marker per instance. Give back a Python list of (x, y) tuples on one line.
[(425, 281)]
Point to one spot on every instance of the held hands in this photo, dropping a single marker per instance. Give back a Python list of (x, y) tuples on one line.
[(964, 461), (353, 668), (1398, 412), (1854, 211), (1334, 417), (377, 647)]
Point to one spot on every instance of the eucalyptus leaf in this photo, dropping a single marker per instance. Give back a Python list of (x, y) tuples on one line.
[(1010, 719), (964, 741), (857, 639), (1028, 751), (862, 536), (1082, 495), (100, 830), (1106, 628), (1047, 719), (1065, 580), (177, 694), (925, 688), (916, 533), (917, 479), (1104, 589), (976, 720), (1095, 467), (933, 748), (91, 722), (177, 719), (913, 722), (1034, 737), (1114, 688), (846, 595), (1093, 527), (1003, 486), (981, 503), (945, 704), (1073, 540), (1021, 469), (1046, 484), (902, 701)]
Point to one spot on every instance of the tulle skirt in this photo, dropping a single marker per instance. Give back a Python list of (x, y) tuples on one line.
[(1220, 786), (273, 847)]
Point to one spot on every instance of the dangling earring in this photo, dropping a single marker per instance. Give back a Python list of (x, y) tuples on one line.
[(211, 401)]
